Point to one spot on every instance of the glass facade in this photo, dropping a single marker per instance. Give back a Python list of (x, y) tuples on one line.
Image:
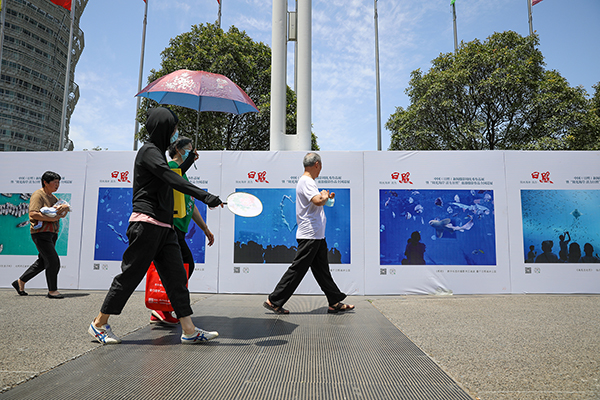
[(32, 79)]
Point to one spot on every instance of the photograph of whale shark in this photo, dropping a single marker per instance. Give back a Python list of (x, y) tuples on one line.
[(561, 226), (437, 227)]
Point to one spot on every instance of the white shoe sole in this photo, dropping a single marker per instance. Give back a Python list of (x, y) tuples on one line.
[(202, 339), (109, 340)]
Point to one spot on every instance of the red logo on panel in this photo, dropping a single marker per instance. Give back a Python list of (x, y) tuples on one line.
[(401, 177), (258, 176), (543, 177), (121, 176)]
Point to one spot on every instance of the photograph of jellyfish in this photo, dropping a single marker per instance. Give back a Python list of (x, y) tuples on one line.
[(114, 210), (561, 226), (14, 225), (437, 227), (271, 236)]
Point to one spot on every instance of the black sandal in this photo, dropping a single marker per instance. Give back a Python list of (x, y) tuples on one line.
[(15, 284), (275, 309), (339, 307)]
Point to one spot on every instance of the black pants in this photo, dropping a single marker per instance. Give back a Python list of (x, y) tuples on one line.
[(186, 253), (47, 260), (147, 243), (312, 253)]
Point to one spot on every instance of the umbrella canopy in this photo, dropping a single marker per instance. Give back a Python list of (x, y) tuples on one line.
[(199, 90)]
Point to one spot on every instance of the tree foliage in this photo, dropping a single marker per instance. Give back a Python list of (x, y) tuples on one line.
[(493, 95), (247, 63)]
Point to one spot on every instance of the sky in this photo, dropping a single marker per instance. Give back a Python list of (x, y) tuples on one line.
[(344, 114)]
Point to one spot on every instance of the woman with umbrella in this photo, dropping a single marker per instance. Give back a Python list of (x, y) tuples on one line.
[(182, 158), (151, 234)]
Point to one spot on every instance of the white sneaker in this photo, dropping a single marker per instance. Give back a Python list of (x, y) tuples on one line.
[(198, 336), (104, 334)]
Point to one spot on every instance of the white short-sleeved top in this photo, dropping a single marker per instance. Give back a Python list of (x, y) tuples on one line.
[(309, 217)]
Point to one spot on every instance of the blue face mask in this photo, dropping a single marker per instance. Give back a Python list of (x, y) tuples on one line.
[(175, 137), (185, 155)]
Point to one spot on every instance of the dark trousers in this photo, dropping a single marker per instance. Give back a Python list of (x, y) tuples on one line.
[(147, 243), (47, 260), (312, 253), (186, 253)]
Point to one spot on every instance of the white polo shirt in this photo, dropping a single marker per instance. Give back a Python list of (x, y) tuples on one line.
[(309, 217)]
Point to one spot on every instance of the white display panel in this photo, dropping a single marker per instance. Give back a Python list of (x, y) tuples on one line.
[(550, 194), (108, 208), (21, 176), (207, 176), (456, 203), (476, 212), (255, 252), (108, 194)]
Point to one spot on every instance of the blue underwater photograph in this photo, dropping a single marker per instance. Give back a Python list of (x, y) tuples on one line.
[(561, 226), (271, 236), (15, 237), (437, 227), (114, 210)]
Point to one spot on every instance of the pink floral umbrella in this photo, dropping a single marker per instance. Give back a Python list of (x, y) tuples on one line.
[(199, 90)]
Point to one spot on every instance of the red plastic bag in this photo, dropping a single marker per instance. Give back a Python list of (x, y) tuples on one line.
[(156, 297)]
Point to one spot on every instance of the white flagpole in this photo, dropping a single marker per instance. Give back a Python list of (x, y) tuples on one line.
[(530, 17), (63, 121), (454, 22), (377, 80), (220, 1), (137, 108)]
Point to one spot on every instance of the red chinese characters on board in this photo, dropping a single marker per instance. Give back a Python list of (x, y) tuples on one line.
[(543, 177), (258, 176), (402, 177), (121, 176)]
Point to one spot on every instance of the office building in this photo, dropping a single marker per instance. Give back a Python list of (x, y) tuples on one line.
[(34, 63)]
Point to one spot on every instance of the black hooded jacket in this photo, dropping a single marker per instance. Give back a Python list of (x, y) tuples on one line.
[(153, 180)]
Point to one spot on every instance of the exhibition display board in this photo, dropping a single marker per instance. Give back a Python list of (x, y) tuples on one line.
[(255, 252), (108, 196), (108, 192), (554, 198), (439, 222), (440, 225), (21, 176)]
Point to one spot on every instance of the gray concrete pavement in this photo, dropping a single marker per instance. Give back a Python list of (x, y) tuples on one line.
[(502, 347), (496, 347), (38, 334)]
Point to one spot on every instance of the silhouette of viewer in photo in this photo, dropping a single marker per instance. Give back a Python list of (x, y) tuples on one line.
[(547, 256), (531, 255), (574, 253), (563, 253), (589, 257), (414, 251)]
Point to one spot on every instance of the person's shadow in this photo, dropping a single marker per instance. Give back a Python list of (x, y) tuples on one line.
[(239, 331)]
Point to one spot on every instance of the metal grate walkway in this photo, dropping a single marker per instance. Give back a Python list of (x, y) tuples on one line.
[(308, 354)]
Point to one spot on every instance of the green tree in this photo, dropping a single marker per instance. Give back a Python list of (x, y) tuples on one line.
[(247, 63), (588, 136), (493, 95)]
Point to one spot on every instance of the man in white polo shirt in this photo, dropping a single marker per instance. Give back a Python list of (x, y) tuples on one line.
[(312, 247)]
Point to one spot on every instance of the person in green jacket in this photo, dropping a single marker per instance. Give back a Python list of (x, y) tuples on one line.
[(182, 155)]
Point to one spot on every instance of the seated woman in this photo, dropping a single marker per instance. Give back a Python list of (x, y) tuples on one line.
[(414, 250)]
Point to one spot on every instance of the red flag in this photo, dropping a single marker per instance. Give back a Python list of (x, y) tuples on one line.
[(218, 1), (63, 3), (534, 2)]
